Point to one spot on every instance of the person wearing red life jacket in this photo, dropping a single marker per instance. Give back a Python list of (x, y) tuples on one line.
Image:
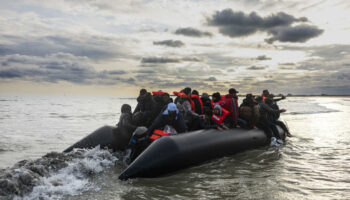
[(230, 103), (220, 117), (197, 102), (216, 99), (265, 94)]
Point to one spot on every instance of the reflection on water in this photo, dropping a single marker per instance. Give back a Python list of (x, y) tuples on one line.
[(314, 164)]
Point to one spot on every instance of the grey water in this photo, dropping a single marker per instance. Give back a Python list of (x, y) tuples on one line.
[(313, 164)]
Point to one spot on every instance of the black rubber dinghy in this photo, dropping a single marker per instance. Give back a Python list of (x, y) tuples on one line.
[(171, 153), (110, 137)]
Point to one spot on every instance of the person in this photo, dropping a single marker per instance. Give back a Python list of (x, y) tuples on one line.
[(206, 101), (221, 117), (170, 116), (125, 126), (230, 103), (159, 101), (264, 94), (249, 111), (146, 106), (266, 124), (274, 117), (185, 108), (198, 104), (215, 99)]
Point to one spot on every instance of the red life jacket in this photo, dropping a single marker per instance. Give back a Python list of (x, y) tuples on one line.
[(264, 96), (158, 93), (157, 134), (194, 96), (220, 119)]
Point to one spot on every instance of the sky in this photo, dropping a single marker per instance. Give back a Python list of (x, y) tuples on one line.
[(101, 47)]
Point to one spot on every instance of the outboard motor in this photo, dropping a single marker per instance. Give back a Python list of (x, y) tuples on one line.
[(138, 142)]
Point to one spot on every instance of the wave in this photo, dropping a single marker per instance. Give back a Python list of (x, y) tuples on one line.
[(54, 175)]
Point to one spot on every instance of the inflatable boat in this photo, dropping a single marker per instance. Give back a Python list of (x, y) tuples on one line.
[(171, 153)]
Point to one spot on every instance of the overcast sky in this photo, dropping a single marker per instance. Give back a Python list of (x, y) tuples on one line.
[(101, 47)]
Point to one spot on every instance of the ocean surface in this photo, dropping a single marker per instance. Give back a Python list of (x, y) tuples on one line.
[(314, 164)]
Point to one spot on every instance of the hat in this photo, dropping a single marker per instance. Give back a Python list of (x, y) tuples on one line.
[(195, 92), (232, 91), (170, 107)]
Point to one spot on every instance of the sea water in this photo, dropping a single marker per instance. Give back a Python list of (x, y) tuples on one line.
[(313, 164)]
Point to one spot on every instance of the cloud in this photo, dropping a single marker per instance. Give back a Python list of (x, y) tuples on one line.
[(239, 24), (58, 67), (301, 33), (212, 78), (156, 60), (91, 46), (263, 57), (164, 60), (170, 43), (257, 67), (192, 32)]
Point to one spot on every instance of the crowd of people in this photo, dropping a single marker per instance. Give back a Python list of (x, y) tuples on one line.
[(189, 111)]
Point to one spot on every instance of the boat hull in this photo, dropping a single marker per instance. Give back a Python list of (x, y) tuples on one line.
[(172, 153)]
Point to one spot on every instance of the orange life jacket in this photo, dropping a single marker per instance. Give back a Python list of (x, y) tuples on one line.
[(157, 134), (219, 119), (264, 96)]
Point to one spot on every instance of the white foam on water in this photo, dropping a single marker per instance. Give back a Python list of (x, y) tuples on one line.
[(73, 179), (302, 107)]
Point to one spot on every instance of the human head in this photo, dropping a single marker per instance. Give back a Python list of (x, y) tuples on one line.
[(126, 108), (195, 92), (259, 99), (143, 92), (232, 91), (249, 96), (187, 91), (166, 97), (217, 109), (216, 96), (266, 92), (205, 95), (171, 111)]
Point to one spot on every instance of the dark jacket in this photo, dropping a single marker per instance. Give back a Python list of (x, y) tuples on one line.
[(163, 119), (266, 112), (125, 127), (147, 106)]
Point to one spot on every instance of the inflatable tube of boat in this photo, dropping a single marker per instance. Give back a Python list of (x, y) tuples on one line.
[(171, 153), (106, 136)]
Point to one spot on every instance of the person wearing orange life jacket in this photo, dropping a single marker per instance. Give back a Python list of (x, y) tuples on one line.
[(197, 102), (220, 117)]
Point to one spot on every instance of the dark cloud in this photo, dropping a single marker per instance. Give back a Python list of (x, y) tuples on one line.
[(164, 60), (58, 67), (239, 24), (212, 78), (192, 32), (93, 47), (170, 43), (300, 33), (257, 67), (155, 60), (263, 57)]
